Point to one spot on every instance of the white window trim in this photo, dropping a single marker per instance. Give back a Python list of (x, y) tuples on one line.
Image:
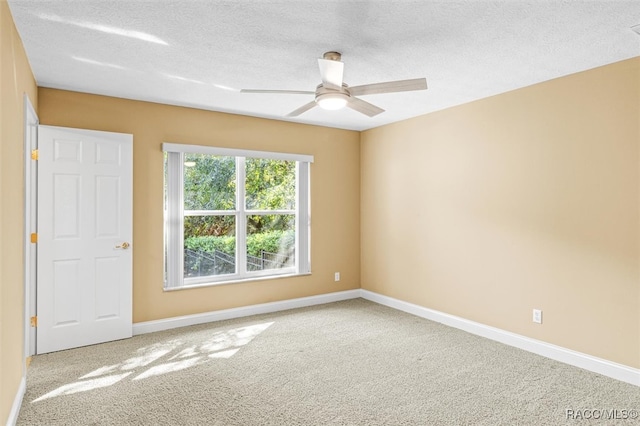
[(232, 152), (174, 217), (174, 233)]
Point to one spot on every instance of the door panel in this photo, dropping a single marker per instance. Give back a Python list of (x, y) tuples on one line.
[(84, 217), (66, 206), (66, 285), (107, 295), (107, 196)]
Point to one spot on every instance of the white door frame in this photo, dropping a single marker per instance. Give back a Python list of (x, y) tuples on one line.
[(31, 122)]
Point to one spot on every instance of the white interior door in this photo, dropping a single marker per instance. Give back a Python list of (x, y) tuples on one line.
[(84, 249)]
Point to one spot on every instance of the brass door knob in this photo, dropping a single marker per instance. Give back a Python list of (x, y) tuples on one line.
[(124, 246)]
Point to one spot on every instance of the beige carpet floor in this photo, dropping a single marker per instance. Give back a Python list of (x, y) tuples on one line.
[(345, 363)]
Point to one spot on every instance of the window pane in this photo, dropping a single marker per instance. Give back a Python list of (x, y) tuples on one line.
[(209, 182), (270, 242), (270, 184), (209, 246)]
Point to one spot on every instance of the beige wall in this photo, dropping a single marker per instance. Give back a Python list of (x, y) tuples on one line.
[(529, 199), (15, 80), (335, 194)]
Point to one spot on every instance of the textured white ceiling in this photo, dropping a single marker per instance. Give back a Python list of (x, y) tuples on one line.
[(200, 53)]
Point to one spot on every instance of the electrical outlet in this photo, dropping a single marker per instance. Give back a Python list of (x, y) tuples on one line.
[(537, 316), (337, 276)]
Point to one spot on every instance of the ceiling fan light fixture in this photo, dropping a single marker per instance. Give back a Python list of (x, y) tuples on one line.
[(332, 101)]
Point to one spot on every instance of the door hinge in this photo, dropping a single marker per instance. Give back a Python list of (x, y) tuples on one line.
[(34, 154), (34, 237), (34, 321)]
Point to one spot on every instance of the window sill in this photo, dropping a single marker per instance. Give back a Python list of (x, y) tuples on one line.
[(236, 281)]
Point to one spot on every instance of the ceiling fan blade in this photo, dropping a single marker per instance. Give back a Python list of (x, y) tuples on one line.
[(389, 87), (364, 107), (331, 72), (303, 108), (286, 92)]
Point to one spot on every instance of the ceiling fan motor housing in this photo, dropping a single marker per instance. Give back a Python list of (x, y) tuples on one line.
[(332, 99)]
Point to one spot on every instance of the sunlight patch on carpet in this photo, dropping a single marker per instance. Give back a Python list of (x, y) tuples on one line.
[(233, 338), (224, 354), (168, 367), (84, 386), (221, 345)]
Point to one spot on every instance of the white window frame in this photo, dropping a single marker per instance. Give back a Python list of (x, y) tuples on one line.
[(174, 216)]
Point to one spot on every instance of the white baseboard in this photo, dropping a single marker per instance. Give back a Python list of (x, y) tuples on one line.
[(264, 308), (558, 353), (17, 403)]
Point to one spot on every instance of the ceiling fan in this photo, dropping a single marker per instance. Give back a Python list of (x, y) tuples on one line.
[(334, 94)]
